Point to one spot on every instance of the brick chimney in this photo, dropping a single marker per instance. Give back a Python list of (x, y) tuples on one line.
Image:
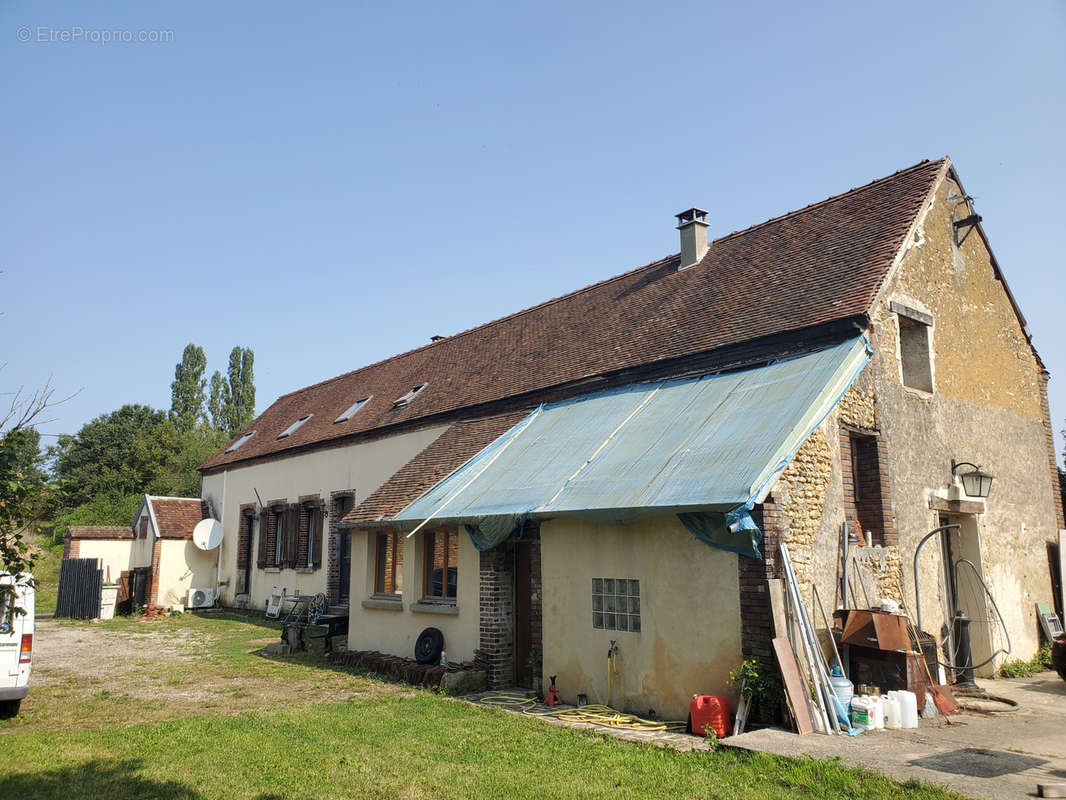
[(693, 227)]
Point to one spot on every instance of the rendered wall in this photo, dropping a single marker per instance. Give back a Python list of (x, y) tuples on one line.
[(182, 566), (114, 555), (395, 629), (361, 467), (690, 614)]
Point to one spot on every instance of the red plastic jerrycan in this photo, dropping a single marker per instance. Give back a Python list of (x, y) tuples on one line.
[(710, 712)]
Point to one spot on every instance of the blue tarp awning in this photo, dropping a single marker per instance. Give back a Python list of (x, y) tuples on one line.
[(710, 443)]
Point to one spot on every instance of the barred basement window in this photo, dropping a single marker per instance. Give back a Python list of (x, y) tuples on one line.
[(616, 604)]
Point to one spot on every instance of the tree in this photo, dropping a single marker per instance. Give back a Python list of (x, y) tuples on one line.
[(187, 390), (114, 454), (232, 402), (218, 402), (23, 492)]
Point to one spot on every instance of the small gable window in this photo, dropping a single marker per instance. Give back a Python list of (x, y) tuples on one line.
[(289, 431), (243, 438), (407, 398), (915, 347), (347, 415)]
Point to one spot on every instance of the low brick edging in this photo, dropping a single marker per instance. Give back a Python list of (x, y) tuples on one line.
[(462, 676)]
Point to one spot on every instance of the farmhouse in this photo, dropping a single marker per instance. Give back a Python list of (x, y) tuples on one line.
[(613, 470)]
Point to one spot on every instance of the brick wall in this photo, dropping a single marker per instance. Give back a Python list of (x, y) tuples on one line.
[(496, 652), (153, 575), (71, 547), (340, 503), (756, 615), (867, 495)]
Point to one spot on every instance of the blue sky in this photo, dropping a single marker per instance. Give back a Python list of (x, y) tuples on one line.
[(331, 185)]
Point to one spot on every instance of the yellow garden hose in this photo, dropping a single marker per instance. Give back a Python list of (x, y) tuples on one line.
[(602, 715)]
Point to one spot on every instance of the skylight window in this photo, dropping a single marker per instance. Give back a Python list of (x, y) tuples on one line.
[(244, 438), (407, 398), (289, 431), (347, 415)]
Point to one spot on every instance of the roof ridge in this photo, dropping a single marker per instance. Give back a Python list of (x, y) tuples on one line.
[(483, 325), (832, 198), (619, 276)]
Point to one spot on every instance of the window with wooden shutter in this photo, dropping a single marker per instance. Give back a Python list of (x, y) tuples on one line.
[(317, 535), (309, 543), (292, 532), (265, 540), (244, 540)]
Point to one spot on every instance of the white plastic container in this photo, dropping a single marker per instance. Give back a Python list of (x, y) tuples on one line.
[(893, 712), (908, 708), (877, 711), (862, 712)]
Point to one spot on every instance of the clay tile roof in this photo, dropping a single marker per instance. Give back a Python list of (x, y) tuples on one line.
[(177, 516), (449, 451), (821, 263), (100, 532)]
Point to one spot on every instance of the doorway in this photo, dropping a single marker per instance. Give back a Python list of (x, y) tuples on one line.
[(964, 588), (344, 564)]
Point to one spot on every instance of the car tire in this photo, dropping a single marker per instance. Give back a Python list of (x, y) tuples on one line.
[(428, 646), (9, 708)]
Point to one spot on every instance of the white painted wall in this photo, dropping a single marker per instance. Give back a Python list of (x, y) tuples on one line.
[(114, 555), (182, 566), (361, 467), (395, 631)]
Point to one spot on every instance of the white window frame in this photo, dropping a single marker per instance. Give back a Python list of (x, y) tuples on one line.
[(243, 438), (279, 528), (353, 409), (289, 431), (400, 402)]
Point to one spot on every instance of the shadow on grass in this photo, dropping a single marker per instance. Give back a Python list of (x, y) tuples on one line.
[(115, 780), (250, 617)]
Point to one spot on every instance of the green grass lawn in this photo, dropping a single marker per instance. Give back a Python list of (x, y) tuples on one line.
[(324, 733), (413, 747)]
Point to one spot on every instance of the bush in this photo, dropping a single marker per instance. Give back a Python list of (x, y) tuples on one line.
[(1026, 669)]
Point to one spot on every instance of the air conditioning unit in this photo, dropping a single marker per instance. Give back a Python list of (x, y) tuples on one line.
[(201, 598)]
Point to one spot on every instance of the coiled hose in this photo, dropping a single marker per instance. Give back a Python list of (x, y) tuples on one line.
[(601, 715)]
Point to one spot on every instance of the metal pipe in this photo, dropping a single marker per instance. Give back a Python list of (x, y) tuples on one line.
[(917, 550), (807, 641)]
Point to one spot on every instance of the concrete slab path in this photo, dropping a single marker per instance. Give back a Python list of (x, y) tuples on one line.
[(1000, 755)]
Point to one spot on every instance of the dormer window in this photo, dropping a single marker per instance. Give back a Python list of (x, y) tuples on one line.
[(244, 438), (289, 431), (407, 398), (347, 415)]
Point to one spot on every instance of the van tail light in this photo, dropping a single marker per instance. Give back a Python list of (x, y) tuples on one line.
[(27, 648)]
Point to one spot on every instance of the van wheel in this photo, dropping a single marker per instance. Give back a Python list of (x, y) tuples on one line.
[(9, 708)]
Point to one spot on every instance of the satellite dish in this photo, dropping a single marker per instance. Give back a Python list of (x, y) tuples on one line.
[(207, 535)]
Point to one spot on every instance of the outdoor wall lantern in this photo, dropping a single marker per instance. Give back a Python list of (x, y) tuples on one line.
[(975, 483)]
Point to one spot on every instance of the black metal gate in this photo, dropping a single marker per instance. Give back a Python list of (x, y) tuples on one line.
[(80, 580)]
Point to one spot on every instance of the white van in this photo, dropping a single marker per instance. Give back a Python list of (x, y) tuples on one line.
[(16, 645)]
